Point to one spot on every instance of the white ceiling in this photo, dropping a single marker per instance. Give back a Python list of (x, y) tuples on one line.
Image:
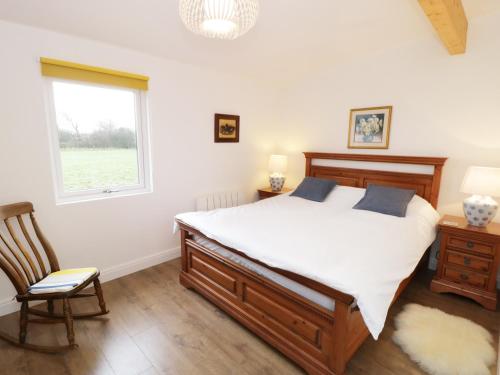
[(291, 38)]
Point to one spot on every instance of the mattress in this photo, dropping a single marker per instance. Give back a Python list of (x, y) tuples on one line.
[(303, 291)]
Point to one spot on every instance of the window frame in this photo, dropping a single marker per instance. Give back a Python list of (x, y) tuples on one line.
[(144, 185)]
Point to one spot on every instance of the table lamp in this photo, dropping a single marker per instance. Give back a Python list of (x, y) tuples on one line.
[(483, 183), (277, 168)]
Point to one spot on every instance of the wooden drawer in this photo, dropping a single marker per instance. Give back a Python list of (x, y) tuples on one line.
[(283, 318), (470, 262), (473, 279), (471, 245), (214, 274)]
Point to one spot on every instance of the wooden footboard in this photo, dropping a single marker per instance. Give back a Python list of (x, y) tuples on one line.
[(318, 340)]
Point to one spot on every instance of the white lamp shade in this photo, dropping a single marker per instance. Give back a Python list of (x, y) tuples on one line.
[(482, 181), (222, 19), (278, 164)]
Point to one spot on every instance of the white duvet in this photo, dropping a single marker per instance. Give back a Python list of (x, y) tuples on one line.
[(361, 253)]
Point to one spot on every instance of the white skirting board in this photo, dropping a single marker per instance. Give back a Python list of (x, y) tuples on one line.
[(10, 305), (135, 265)]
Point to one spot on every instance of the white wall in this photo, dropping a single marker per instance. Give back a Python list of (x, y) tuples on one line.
[(112, 233), (443, 105)]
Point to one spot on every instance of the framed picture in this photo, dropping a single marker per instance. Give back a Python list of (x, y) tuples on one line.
[(370, 127), (227, 128)]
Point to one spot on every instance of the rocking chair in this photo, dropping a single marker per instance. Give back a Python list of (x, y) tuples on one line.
[(22, 260)]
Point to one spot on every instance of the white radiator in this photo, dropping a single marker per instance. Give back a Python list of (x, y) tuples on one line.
[(220, 200)]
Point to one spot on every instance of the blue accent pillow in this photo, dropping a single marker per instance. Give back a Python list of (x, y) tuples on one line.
[(314, 189), (386, 200)]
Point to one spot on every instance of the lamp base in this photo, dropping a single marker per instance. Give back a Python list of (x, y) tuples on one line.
[(277, 183), (480, 210)]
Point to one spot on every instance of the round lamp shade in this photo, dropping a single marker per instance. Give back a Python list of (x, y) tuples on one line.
[(482, 181), (278, 164), (221, 19)]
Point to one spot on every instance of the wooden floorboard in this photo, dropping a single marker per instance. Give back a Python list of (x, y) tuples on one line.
[(158, 327)]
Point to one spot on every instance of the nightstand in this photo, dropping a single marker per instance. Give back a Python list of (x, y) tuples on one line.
[(468, 260), (268, 193)]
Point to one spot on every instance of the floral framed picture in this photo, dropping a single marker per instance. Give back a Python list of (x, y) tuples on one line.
[(370, 127), (226, 128)]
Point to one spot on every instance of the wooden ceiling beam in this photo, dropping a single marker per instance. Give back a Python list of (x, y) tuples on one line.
[(449, 19)]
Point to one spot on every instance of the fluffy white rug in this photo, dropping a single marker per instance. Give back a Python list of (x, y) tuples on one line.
[(443, 344)]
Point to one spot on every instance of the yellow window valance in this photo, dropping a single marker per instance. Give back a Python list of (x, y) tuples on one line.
[(86, 73)]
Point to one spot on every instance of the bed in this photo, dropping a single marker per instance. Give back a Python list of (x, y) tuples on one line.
[(299, 307)]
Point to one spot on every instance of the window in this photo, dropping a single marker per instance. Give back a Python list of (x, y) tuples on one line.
[(99, 139)]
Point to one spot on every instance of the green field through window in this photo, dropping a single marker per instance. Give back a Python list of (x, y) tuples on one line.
[(85, 169)]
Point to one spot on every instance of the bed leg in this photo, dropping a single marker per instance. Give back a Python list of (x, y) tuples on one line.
[(424, 262), (185, 281), (184, 259), (338, 360)]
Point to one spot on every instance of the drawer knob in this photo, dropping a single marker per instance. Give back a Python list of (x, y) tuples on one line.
[(470, 244), (464, 276), (467, 261)]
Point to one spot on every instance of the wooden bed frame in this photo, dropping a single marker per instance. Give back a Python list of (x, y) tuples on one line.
[(318, 340)]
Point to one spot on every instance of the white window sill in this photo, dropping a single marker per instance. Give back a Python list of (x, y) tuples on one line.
[(60, 201)]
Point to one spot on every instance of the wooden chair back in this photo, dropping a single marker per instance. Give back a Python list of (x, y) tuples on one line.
[(25, 254)]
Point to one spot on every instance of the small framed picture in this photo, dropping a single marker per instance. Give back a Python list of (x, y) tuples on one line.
[(227, 128), (370, 127)]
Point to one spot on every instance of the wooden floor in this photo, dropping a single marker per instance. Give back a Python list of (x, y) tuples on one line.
[(152, 329)]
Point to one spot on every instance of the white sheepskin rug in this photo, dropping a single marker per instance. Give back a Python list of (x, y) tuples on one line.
[(443, 344)]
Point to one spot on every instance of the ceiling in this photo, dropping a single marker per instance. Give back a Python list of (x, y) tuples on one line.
[(291, 38)]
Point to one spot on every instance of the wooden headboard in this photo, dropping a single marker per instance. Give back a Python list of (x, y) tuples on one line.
[(426, 185)]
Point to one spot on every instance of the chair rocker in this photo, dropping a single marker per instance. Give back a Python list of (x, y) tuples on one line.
[(21, 247)]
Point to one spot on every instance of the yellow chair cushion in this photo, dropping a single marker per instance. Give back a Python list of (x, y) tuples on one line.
[(63, 281)]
